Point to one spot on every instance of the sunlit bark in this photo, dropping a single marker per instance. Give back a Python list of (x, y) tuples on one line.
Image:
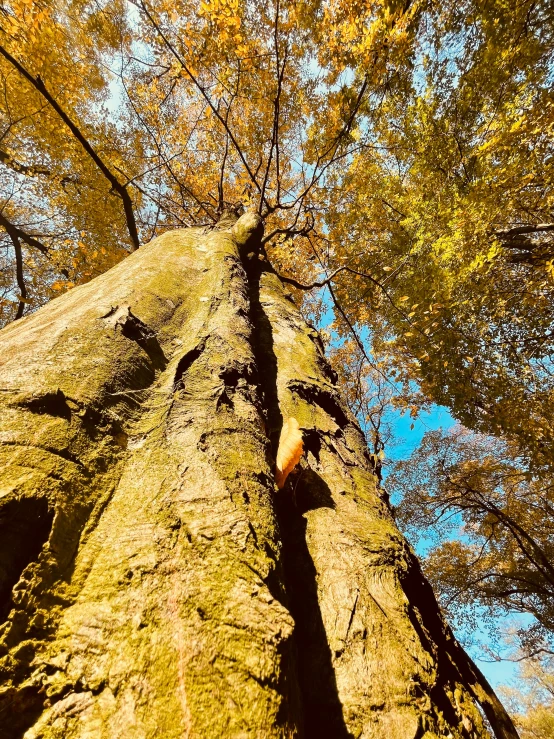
[(153, 580)]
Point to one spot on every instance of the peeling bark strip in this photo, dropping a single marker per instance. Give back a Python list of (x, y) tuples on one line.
[(153, 582)]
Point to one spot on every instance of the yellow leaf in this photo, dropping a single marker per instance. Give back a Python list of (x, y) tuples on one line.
[(289, 452)]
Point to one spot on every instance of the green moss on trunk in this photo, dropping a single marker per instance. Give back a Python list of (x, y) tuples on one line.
[(170, 590)]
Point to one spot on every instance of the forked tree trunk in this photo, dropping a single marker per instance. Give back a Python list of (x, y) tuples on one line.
[(153, 582)]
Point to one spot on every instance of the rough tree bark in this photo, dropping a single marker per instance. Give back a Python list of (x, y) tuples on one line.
[(153, 582)]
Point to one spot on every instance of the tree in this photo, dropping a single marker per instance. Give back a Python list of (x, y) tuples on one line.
[(460, 481), (154, 580), (532, 700), (378, 140), (448, 237), (398, 151), (447, 226)]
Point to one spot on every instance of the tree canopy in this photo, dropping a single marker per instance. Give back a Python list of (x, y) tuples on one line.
[(532, 700), (400, 153), (503, 563)]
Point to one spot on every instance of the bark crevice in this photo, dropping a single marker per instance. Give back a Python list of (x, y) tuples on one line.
[(184, 364), (321, 708), (134, 329), (25, 526), (343, 558)]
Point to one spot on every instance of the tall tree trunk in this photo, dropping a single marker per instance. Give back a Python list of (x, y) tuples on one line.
[(153, 582)]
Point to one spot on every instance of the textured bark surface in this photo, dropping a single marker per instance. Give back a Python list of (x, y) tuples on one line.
[(153, 582)]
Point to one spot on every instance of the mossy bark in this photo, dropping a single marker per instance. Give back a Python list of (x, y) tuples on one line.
[(153, 582)]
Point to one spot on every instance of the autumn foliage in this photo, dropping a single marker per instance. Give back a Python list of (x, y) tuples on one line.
[(400, 154)]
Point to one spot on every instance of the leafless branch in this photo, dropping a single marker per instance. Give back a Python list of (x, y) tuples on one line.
[(220, 186), (19, 276), (166, 162), (292, 231), (13, 233), (276, 112)]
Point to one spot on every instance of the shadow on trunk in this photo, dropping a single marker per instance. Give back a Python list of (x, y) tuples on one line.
[(322, 708), (25, 526), (321, 705)]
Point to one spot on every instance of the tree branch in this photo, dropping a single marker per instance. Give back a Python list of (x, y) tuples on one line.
[(276, 113), (331, 277), (18, 234), (165, 162), (330, 150), (15, 232), (311, 285), (142, 6), (19, 276), (26, 169), (292, 231), (120, 189), (520, 230)]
